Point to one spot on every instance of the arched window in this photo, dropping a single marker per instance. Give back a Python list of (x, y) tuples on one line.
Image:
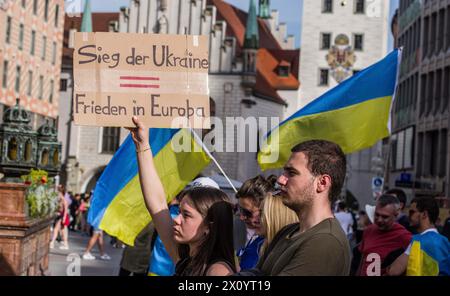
[(12, 149), (56, 157), (163, 25), (28, 150), (44, 157)]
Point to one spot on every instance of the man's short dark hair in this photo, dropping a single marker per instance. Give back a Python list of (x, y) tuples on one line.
[(325, 157), (399, 193), (428, 204), (387, 199)]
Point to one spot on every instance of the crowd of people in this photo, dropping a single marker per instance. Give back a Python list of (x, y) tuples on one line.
[(294, 224), (390, 231), (286, 225), (72, 216)]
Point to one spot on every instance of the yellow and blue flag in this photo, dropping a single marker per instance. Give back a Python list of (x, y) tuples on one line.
[(118, 205), (354, 114), (429, 255)]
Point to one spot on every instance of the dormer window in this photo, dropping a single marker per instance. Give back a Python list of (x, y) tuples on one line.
[(113, 26), (283, 69), (72, 38)]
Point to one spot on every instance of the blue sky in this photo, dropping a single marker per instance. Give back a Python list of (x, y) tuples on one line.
[(290, 11)]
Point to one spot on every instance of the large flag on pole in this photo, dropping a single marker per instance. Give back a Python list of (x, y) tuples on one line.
[(354, 114), (118, 206)]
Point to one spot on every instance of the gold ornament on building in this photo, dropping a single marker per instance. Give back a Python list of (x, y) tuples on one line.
[(341, 58)]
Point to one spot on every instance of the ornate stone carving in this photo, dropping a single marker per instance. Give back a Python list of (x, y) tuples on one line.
[(341, 58)]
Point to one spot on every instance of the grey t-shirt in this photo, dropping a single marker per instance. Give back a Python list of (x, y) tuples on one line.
[(322, 250)]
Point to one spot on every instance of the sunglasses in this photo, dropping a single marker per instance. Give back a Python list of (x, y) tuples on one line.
[(244, 212), (412, 212)]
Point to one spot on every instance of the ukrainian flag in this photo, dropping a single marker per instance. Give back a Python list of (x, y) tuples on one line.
[(355, 115), (118, 205), (429, 255)]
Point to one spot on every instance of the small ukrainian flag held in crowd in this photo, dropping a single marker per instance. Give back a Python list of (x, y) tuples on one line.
[(118, 205), (429, 255), (354, 114)]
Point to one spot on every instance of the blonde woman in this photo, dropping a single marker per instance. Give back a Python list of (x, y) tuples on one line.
[(274, 216)]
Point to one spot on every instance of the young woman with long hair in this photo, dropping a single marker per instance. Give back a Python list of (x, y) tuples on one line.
[(200, 239), (250, 196)]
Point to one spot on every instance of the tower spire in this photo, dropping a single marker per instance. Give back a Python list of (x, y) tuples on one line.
[(86, 22), (264, 9), (250, 52), (251, 33)]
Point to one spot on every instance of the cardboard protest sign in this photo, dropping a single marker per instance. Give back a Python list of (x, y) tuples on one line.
[(162, 79)]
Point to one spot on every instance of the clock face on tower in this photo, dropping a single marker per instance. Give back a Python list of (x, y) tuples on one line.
[(373, 8)]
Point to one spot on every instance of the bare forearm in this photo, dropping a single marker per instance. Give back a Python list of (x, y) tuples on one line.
[(399, 266), (155, 200), (152, 188), (151, 185)]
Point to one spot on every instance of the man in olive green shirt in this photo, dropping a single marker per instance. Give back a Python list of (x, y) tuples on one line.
[(312, 180)]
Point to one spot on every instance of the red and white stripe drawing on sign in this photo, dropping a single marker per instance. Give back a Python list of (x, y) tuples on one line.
[(133, 82)]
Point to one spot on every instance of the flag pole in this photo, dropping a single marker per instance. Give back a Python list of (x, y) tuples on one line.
[(199, 141)]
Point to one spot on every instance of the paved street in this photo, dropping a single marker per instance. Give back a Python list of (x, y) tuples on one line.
[(65, 262)]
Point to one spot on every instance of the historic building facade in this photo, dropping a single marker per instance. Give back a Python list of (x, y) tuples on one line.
[(252, 73), (86, 149), (419, 157), (266, 87), (30, 56)]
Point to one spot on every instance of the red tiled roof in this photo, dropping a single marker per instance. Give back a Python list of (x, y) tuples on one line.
[(236, 20), (267, 79), (267, 65), (264, 90), (270, 53), (291, 56), (100, 23)]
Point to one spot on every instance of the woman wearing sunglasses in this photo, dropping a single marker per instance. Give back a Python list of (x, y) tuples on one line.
[(200, 239), (250, 196)]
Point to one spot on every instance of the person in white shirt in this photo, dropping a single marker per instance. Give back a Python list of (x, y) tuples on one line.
[(345, 219)]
